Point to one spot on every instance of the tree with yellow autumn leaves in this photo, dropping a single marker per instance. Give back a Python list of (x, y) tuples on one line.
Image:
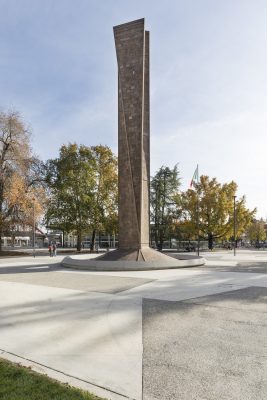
[(208, 210), (19, 176)]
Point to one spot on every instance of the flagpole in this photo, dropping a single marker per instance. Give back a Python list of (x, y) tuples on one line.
[(198, 238)]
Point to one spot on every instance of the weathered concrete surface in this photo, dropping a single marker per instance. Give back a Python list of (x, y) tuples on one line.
[(160, 262), (71, 280), (94, 338), (254, 261), (132, 48), (211, 347)]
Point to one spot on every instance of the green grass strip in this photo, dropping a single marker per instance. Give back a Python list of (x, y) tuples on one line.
[(21, 383)]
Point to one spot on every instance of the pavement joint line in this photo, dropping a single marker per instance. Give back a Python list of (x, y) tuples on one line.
[(138, 286), (3, 352)]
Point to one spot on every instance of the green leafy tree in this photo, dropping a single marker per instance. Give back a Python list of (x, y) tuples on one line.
[(105, 205), (83, 190), (164, 196), (209, 211), (257, 232), (71, 180)]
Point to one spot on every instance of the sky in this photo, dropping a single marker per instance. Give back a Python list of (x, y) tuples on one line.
[(208, 67)]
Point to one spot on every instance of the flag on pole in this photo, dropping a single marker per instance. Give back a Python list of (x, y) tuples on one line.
[(195, 177)]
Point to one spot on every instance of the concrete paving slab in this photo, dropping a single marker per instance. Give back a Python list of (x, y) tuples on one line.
[(206, 348), (248, 299), (99, 264), (92, 337), (28, 261), (195, 283), (95, 338), (88, 283), (62, 377), (234, 266), (241, 255)]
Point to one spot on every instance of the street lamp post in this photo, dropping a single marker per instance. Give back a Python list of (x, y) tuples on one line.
[(234, 227), (33, 227)]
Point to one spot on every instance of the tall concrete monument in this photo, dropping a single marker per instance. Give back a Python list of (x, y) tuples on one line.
[(133, 253), (132, 47)]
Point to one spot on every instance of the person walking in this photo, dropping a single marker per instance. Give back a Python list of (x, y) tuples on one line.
[(54, 249), (50, 250)]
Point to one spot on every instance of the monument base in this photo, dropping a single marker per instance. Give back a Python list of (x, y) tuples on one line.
[(132, 260)]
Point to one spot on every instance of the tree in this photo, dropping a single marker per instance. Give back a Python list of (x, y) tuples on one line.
[(70, 178), (164, 197), (105, 204), (20, 199), (18, 178), (83, 189), (256, 231), (209, 209)]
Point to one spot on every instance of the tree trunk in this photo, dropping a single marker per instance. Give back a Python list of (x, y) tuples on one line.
[(92, 245), (210, 240), (161, 237), (63, 239), (79, 241), (156, 237)]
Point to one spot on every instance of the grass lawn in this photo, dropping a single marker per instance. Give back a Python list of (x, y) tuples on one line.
[(20, 383)]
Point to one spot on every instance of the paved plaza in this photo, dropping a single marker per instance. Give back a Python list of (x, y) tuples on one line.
[(191, 333)]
